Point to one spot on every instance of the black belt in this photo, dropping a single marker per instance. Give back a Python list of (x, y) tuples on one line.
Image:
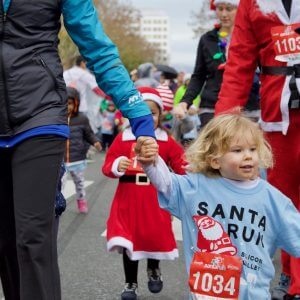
[(294, 71), (281, 70), (138, 179)]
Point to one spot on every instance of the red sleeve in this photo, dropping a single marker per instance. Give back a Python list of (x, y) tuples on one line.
[(113, 152), (100, 93), (176, 158), (241, 64)]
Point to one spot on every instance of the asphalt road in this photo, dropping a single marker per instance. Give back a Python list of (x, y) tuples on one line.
[(88, 271)]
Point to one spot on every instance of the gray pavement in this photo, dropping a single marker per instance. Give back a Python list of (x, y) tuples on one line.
[(88, 272)]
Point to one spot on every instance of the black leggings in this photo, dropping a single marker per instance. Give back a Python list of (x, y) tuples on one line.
[(131, 267), (29, 173)]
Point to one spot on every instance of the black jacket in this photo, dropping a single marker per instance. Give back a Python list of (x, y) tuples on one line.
[(80, 134), (207, 78), (32, 89)]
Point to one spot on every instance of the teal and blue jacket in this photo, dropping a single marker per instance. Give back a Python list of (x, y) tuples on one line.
[(83, 26)]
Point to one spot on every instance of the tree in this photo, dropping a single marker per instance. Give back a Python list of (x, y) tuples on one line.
[(203, 20), (120, 21)]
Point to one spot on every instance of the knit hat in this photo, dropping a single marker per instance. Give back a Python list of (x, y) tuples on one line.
[(213, 3), (151, 94)]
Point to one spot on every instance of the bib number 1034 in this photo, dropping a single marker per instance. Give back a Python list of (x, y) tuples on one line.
[(215, 276), (217, 284)]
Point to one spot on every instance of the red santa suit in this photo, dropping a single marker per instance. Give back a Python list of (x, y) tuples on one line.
[(264, 34), (136, 222)]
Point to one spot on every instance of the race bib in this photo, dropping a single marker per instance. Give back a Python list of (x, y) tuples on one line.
[(215, 276), (286, 42), (135, 165)]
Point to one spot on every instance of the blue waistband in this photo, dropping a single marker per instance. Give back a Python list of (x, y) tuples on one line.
[(60, 130)]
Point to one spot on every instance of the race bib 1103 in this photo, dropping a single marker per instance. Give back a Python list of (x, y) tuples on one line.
[(286, 42)]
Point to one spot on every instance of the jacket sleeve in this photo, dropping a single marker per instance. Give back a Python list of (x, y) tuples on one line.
[(198, 78), (176, 159), (241, 64), (82, 23), (88, 133)]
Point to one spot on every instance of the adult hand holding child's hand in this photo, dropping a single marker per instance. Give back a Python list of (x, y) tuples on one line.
[(146, 149)]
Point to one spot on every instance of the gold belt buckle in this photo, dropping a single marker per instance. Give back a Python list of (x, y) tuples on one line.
[(138, 178)]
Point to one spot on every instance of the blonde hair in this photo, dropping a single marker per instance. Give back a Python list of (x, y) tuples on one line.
[(215, 138)]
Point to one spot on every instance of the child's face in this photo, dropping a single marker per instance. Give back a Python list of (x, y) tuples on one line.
[(71, 106), (241, 161), (155, 112), (111, 107)]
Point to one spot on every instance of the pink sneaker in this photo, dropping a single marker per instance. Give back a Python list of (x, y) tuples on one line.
[(82, 206)]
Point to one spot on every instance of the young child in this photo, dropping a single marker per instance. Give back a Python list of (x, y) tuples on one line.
[(137, 227), (225, 207), (108, 125), (75, 155)]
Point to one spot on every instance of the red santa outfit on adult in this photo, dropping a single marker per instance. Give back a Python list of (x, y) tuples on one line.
[(264, 34), (136, 221)]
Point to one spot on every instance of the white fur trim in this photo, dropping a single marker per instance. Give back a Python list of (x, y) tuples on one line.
[(284, 104), (284, 108), (154, 98), (114, 167), (160, 135), (276, 6), (118, 243), (272, 126), (232, 2)]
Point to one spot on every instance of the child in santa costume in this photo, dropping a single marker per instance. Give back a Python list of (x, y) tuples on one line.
[(223, 184), (264, 33), (137, 227)]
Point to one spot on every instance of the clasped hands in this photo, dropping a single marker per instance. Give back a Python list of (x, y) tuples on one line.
[(146, 150)]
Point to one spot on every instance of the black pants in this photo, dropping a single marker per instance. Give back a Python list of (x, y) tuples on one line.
[(107, 140), (131, 267), (28, 251)]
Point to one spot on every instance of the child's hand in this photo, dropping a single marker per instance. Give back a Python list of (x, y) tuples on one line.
[(98, 146), (124, 163)]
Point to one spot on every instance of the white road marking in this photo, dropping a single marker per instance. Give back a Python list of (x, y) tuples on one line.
[(176, 224), (69, 188)]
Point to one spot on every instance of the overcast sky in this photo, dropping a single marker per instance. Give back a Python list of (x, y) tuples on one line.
[(183, 43)]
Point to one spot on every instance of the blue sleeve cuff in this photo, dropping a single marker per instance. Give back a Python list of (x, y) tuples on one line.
[(142, 126)]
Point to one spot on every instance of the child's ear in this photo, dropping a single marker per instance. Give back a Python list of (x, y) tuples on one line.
[(215, 163)]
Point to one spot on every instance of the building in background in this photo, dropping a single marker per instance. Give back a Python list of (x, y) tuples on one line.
[(155, 28)]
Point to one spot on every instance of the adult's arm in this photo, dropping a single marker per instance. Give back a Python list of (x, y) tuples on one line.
[(198, 78), (82, 23), (241, 63)]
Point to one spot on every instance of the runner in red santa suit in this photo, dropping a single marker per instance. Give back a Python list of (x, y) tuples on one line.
[(264, 33)]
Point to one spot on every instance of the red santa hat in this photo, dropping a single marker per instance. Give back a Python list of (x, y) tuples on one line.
[(151, 94), (213, 3), (212, 237)]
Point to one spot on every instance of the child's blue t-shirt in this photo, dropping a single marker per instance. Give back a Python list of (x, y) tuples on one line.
[(258, 220)]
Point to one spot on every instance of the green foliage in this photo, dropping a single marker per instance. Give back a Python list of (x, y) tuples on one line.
[(120, 21)]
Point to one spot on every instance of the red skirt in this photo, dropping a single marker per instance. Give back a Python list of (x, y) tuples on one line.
[(139, 225)]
